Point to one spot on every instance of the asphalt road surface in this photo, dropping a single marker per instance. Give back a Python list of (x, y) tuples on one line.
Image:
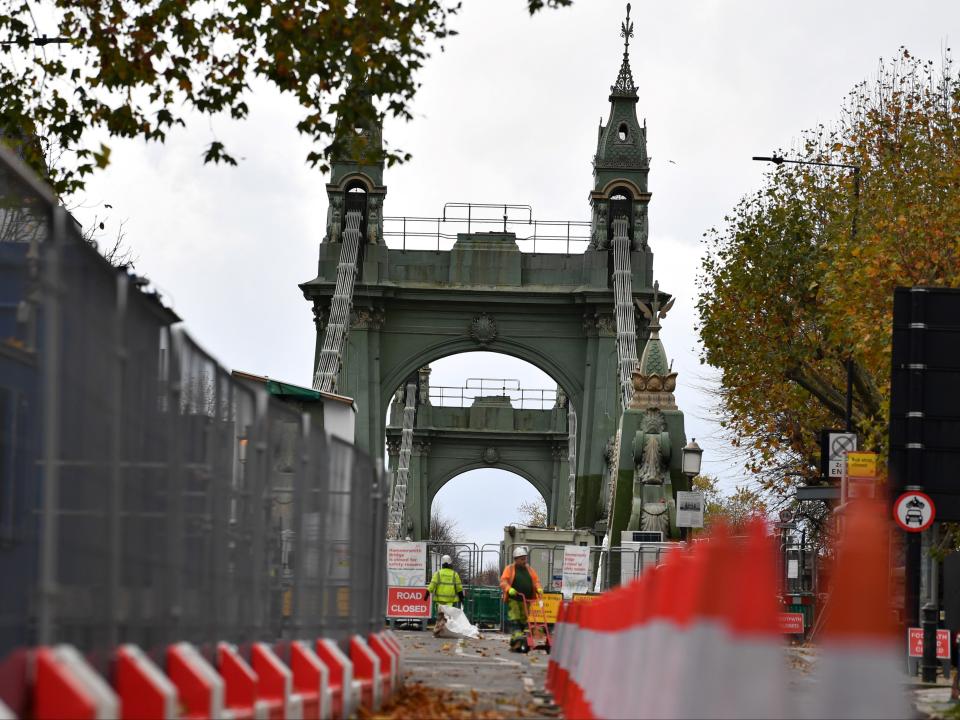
[(482, 673)]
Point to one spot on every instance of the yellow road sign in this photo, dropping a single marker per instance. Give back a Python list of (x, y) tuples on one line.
[(585, 597), (551, 608), (862, 464)]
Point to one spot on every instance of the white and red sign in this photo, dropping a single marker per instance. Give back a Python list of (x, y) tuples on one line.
[(791, 623), (407, 602), (914, 511), (406, 563), (576, 570), (915, 643)]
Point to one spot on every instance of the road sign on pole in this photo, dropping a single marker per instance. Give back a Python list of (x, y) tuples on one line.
[(914, 511), (834, 446)]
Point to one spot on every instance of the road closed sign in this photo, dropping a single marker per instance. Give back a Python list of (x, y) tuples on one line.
[(914, 511), (407, 602)]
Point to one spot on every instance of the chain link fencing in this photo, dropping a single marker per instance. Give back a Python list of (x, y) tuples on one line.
[(147, 495)]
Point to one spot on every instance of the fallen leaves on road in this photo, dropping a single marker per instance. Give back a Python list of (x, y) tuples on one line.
[(415, 701)]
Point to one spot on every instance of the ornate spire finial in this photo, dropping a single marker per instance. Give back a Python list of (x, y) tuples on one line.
[(624, 86), (626, 31), (654, 312)]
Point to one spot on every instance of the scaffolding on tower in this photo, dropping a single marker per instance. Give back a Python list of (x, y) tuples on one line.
[(338, 322)]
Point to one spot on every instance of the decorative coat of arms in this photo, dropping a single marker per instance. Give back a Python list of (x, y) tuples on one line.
[(490, 455), (483, 329)]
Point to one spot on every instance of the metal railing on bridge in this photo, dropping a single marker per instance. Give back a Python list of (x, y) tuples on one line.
[(440, 233), (520, 398), (146, 495)]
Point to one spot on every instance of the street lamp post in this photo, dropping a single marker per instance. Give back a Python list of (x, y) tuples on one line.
[(690, 460), (779, 160)]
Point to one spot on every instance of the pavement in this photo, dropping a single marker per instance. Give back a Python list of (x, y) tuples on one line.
[(483, 679), (483, 673)]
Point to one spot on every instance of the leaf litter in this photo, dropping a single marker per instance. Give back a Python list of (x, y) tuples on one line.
[(415, 701)]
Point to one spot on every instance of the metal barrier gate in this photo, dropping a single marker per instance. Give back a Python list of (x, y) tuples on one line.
[(147, 496)]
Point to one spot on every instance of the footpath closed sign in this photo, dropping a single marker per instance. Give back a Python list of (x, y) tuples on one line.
[(915, 643), (407, 602), (576, 570), (406, 564), (791, 623)]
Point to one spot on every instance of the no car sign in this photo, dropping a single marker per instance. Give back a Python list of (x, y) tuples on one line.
[(914, 511)]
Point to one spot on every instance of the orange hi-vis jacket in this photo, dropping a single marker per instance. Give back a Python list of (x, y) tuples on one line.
[(506, 579)]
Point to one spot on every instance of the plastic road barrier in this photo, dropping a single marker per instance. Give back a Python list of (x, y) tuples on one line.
[(199, 687), (366, 670), (145, 692), (341, 678), (274, 683), (388, 663), (704, 626), (240, 683), (67, 687), (311, 680)]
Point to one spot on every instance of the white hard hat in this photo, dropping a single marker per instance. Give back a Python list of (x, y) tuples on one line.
[(520, 551), (446, 560)]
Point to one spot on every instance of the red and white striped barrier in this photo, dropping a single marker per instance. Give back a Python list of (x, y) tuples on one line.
[(698, 636), (145, 692), (240, 685), (341, 678), (858, 672), (310, 682), (65, 686), (366, 670), (275, 684), (200, 688)]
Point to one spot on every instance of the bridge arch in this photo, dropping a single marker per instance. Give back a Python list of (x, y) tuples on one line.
[(540, 484), (483, 500), (394, 378)]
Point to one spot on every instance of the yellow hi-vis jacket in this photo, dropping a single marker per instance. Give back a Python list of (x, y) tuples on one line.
[(445, 586)]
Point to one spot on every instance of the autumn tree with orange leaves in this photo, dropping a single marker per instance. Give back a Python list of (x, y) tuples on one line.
[(787, 294)]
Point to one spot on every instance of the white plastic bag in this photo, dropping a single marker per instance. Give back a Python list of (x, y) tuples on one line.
[(454, 624)]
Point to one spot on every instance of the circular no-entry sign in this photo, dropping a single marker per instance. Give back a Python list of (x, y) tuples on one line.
[(914, 511)]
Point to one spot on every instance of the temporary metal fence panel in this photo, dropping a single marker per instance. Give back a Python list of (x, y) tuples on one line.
[(612, 565), (146, 496)]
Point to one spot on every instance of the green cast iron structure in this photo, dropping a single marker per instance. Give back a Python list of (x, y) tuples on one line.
[(489, 432), (412, 306)]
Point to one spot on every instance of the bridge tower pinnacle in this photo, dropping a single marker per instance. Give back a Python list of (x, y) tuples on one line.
[(356, 170), (621, 164)]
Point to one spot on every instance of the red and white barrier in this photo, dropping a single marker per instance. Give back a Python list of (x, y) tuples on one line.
[(65, 686), (366, 669), (388, 663), (859, 669), (698, 636), (199, 687), (315, 683), (240, 683), (145, 692), (275, 684), (341, 678), (311, 681)]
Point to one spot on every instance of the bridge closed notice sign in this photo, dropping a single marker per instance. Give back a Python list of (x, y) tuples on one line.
[(576, 570), (406, 564)]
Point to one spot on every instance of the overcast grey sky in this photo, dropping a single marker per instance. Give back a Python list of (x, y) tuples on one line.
[(508, 113)]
